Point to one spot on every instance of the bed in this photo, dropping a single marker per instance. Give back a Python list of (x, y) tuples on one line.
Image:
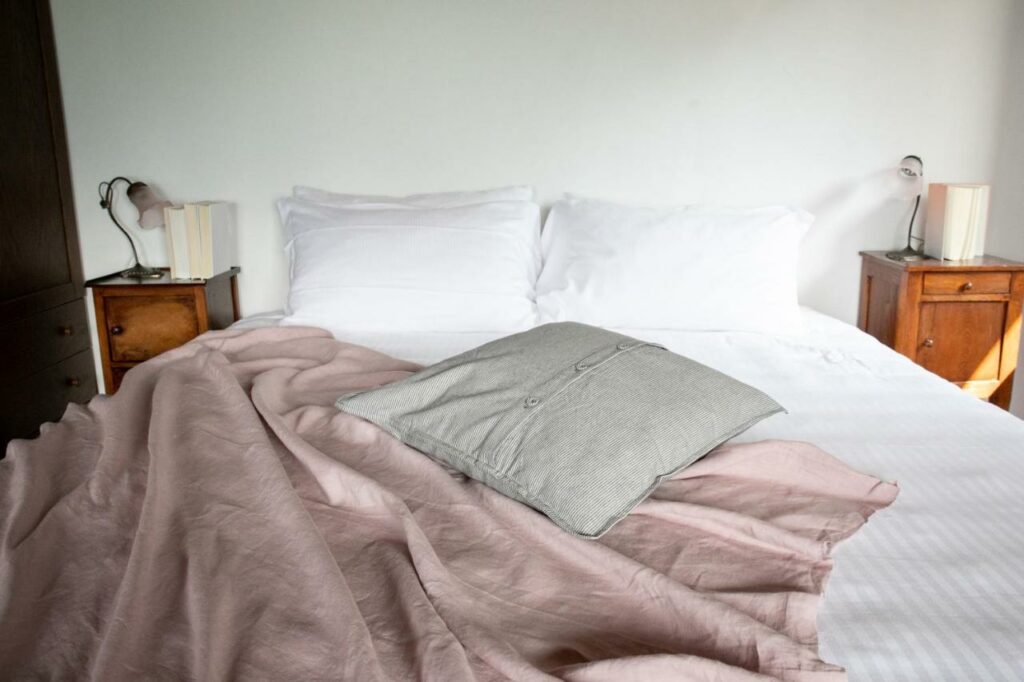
[(220, 518), (930, 590)]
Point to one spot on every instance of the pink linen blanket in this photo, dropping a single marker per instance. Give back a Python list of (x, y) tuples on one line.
[(219, 519)]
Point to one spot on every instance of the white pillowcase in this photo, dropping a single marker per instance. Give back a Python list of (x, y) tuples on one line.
[(671, 268), (468, 268), (436, 200)]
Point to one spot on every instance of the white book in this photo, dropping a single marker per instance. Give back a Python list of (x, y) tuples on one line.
[(219, 239), (170, 242), (956, 221), (177, 242), (984, 200), (195, 240)]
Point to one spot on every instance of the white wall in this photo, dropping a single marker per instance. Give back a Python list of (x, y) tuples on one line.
[(1006, 235), (662, 101)]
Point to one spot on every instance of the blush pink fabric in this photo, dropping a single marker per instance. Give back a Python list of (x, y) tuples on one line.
[(219, 519)]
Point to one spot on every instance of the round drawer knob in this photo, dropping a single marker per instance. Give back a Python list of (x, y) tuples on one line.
[(66, 330), (117, 330), (73, 382), (967, 286), (929, 342)]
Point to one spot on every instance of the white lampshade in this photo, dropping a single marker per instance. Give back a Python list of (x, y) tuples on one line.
[(910, 177)]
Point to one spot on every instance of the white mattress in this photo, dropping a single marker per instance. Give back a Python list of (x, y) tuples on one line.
[(930, 589)]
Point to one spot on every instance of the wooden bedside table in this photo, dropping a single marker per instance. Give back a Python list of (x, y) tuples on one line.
[(139, 319), (960, 320)]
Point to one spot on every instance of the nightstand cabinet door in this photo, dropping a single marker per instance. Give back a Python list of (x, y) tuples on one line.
[(962, 342), (142, 327)]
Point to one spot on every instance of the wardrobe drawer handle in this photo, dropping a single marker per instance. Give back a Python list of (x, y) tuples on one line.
[(66, 330), (967, 286), (929, 342), (73, 382), (117, 330)]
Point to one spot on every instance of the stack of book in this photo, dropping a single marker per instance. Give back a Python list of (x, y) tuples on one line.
[(956, 220), (201, 239)]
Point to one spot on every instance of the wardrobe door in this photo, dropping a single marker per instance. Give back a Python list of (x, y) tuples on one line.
[(40, 267), (39, 262)]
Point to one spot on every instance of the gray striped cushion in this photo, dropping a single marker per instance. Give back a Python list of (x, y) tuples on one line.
[(578, 422)]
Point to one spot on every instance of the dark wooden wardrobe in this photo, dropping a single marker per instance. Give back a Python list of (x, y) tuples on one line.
[(44, 335)]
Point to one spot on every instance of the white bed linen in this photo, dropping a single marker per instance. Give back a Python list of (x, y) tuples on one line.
[(611, 264), (398, 268), (425, 348), (931, 589)]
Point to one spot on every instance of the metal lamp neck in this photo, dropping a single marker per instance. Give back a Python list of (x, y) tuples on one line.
[(138, 270)]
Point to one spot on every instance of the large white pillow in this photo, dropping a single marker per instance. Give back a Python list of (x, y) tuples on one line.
[(436, 200), (696, 268), (464, 269)]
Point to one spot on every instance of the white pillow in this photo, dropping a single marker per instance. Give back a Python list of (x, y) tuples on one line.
[(470, 268), (671, 268), (437, 200)]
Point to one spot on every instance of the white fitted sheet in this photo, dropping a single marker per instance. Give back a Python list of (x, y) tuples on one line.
[(931, 589)]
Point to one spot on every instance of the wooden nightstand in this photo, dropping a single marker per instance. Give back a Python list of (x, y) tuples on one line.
[(960, 320), (139, 319)]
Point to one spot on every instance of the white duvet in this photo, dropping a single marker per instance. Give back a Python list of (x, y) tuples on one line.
[(934, 588)]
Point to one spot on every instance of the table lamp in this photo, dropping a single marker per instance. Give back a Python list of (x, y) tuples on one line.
[(151, 214), (911, 176)]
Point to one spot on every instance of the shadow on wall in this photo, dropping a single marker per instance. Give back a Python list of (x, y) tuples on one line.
[(1006, 234), (873, 217)]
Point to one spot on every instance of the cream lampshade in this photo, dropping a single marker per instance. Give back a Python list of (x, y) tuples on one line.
[(149, 204)]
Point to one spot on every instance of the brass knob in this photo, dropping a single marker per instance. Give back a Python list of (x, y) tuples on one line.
[(929, 342), (967, 286), (74, 382), (117, 330), (66, 330)]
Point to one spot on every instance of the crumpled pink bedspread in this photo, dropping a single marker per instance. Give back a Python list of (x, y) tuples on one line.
[(219, 519)]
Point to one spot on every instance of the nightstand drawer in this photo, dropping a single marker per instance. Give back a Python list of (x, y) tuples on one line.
[(142, 327), (966, 283)]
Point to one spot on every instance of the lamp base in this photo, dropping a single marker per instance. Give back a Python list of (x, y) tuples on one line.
[(906, 255), (139, 271)]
